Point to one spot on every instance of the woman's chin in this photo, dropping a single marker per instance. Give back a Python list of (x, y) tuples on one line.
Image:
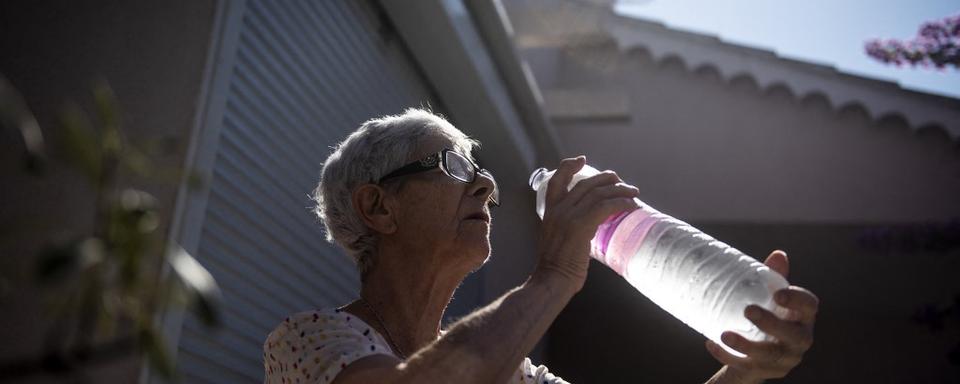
[(476, 255), (478, 262)]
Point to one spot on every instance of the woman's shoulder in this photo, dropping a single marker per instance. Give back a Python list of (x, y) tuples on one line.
[(327, 325), (319, 316), (318, 344), (317, 319)]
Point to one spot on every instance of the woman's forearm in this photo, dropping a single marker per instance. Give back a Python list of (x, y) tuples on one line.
[(489, 344)]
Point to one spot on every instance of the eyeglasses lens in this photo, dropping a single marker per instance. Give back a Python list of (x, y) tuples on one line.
[(459, 167)]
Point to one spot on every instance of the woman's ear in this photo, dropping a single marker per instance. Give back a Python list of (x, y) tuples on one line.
[(369, 201)]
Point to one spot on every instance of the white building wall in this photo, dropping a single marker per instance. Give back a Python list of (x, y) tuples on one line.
[(706, 149), (761, 165)]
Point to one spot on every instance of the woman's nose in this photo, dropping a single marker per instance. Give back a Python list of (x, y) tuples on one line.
[(483, 186)]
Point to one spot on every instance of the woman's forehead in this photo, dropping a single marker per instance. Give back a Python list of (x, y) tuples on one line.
[(433, 144)]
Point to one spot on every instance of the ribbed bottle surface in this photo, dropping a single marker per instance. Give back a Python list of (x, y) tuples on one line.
[(705, 283)]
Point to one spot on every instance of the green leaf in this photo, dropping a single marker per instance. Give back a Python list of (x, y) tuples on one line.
[(136, 162), (80, 145), (108, 112), (59, 261), (167, 145), (156, 351), (135, 200), (14, 114), (195, 180), (55, 262), (204, 297)]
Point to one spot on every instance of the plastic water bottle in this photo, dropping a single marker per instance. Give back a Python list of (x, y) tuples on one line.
[(705, 283)]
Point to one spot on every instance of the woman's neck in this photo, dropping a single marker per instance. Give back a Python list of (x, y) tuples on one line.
[(409, 298)]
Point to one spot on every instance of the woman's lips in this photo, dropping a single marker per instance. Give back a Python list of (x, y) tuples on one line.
[(479, 216)]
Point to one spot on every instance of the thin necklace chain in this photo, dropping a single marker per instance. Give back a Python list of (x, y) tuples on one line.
[(384, 326)]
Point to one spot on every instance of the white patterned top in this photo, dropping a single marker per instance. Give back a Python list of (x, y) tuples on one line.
[(314, 346)]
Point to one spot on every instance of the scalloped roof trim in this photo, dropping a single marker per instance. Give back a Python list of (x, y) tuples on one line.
[(698, 53)]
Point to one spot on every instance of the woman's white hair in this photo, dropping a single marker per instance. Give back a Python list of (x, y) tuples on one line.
[(378, 147)]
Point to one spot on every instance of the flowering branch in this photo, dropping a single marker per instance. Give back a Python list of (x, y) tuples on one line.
[(937, 44)]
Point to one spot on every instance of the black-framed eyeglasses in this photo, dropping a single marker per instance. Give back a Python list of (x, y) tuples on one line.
[(453, 164)]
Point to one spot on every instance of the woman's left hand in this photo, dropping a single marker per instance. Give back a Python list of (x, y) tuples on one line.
[(793, 334)]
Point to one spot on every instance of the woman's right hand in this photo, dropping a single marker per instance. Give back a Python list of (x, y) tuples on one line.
[(571, 218)]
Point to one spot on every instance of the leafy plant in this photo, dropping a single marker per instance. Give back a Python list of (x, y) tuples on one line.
[(115, 285)]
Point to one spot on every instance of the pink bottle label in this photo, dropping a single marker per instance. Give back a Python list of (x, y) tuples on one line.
[(605, 232), (620, 237)]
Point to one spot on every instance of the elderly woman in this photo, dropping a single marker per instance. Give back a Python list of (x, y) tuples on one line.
[(403, 195)]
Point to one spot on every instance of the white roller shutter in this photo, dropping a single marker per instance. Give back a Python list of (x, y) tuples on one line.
[(302, 74)]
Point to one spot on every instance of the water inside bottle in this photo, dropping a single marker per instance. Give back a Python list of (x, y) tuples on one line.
[(703, 282)]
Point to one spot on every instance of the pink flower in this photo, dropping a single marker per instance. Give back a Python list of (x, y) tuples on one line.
[(937, 43)]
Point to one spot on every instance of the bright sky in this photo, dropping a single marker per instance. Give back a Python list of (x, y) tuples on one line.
[(829, 32)]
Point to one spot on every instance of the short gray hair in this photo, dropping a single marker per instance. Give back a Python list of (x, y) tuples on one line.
[(379, 146)]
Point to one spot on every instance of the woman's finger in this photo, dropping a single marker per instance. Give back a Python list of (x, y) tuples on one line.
[(586, 186), (762, 353), (778, 261), (557, 187), (609, 207), (725, 357), (794, 335), (799, 300), (605, 192)]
